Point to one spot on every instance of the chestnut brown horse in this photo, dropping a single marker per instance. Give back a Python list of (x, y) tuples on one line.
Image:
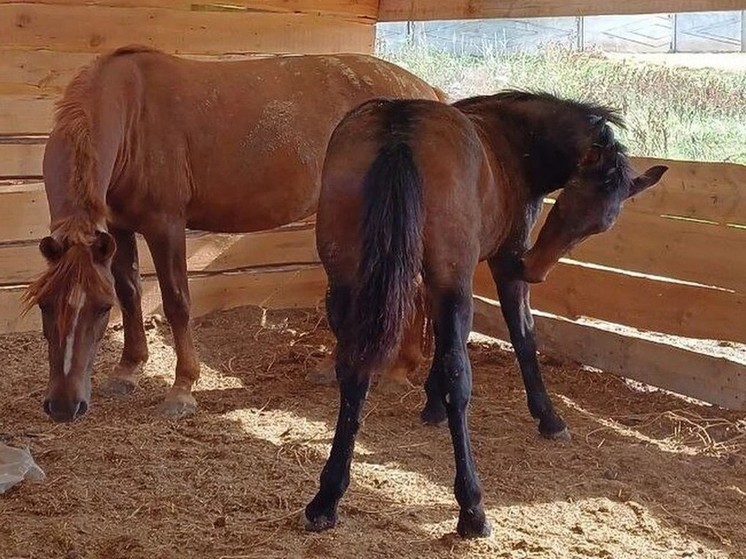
[(151, 143), (420, 188)]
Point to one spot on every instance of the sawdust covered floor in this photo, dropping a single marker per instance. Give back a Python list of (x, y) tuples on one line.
[(647, 475)]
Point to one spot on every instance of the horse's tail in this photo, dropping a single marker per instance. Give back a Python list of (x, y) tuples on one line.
[(391, 258)]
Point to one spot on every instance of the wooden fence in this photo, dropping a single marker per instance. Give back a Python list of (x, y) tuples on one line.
[(675, 263)]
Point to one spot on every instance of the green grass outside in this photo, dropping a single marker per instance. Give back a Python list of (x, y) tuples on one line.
[(671, 111)]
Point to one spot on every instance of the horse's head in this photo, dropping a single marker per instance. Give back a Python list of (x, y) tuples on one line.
[(75, 295), (590, 201)]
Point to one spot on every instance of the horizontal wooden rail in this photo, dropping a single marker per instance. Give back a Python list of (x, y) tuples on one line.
[(573, 291), (47, 26), (21, 262), (711, 379), (280, 286)]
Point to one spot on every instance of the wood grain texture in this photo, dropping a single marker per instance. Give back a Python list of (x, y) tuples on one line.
[(682, 310), (711, 379), (46, 26), (362, 9), (279, 287), (404, 10), (21, 160), (22, 263)]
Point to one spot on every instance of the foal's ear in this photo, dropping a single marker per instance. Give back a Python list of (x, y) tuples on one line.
[(103, 247), (51, 249), (646, 180)]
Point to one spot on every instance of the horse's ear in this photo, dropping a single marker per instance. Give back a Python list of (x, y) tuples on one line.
[(647, 179), (103, 247), (51, 249)]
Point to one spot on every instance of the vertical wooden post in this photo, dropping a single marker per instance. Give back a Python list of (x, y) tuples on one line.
[(675, 38)]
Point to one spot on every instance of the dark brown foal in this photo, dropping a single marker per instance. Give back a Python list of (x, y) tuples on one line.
[(419, 188)]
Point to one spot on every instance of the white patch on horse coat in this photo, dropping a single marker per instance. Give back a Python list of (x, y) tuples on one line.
[(76, 300)]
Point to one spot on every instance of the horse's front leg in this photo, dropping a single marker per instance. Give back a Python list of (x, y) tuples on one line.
[(513, 293), (168, 248), (125, 268)]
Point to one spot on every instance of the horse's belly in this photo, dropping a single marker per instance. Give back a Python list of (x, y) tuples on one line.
[(252, 205)]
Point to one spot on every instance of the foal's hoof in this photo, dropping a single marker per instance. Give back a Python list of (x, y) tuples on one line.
[(119, 387), (562, 436), (473, 525), (178, 405), (434, 415), (555, 429), (317, 523)]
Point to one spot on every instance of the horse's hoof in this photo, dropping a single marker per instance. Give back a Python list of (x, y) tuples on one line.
[(435, 416), (317, 524), (178, 406), (118, 387), (554, 429), (472, 526), (562, 436)]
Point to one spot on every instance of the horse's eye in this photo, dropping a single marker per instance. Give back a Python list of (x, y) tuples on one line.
[(103, 310)]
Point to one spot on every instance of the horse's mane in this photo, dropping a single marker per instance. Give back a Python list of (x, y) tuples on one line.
[(74, 120), (588, 108)]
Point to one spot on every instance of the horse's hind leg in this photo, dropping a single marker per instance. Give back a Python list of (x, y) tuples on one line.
[(124, 267), (168, 248), (451, 370), (514, 302), (321, 512)]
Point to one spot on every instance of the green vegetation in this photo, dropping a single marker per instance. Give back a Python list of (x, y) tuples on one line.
[(671, 112)]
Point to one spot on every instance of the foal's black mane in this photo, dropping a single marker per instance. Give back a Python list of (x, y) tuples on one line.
[(549, 134)]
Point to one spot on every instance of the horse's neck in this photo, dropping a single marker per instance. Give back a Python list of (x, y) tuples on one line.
[(518, 200)]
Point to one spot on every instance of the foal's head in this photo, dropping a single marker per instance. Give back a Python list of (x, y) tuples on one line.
[(75, 295), (596, 180)]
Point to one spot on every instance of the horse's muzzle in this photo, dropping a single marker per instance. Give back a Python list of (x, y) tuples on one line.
[(65, 411)]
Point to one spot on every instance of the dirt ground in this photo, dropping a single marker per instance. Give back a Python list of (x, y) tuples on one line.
[(647, 475)]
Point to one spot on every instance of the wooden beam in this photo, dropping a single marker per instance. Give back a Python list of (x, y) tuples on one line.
[(21, 160), (274, 287), (685, 250), (572, 291), (421, 10), (22, 263), (695, 189), (358, 9), (44, 26), (711, 379), (25, 114)]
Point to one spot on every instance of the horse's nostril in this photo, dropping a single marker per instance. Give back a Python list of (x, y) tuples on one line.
[(48, 407), (81, 409)]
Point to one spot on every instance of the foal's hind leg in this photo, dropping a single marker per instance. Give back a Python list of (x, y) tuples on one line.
[(168, 247), (514, 302), (124, 267), (452, 372), (321, 512)]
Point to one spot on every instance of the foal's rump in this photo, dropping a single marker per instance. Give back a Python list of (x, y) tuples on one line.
[(399, 199)]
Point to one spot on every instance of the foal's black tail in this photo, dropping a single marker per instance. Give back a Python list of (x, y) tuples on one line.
[(391, 259)]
